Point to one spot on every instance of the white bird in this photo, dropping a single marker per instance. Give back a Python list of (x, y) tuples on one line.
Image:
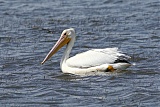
[(95, 60)]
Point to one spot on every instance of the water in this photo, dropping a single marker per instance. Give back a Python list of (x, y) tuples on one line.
[(28, 30)]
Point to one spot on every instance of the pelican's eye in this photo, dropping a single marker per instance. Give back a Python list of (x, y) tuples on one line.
[(65, 33)]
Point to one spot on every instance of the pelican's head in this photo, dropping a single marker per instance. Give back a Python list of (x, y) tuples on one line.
[(64, 39)]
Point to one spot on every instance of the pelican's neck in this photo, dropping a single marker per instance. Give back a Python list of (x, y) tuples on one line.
[(67, 51)]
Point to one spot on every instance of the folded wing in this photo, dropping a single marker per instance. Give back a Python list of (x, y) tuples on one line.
[(95, 57)]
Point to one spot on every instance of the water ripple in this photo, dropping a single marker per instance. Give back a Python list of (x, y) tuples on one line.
[(30, 28)]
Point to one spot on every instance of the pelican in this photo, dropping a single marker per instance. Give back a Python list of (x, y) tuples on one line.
[(94, 60)]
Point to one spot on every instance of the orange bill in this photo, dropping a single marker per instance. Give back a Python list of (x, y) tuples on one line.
[(60, 43)]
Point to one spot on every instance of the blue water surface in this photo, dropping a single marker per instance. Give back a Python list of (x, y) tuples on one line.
[(29, 29)]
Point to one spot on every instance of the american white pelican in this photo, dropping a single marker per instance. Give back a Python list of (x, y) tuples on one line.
[(103, 60)]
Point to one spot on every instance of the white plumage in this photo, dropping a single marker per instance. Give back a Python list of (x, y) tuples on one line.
[(94, 57), (93, 60)]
